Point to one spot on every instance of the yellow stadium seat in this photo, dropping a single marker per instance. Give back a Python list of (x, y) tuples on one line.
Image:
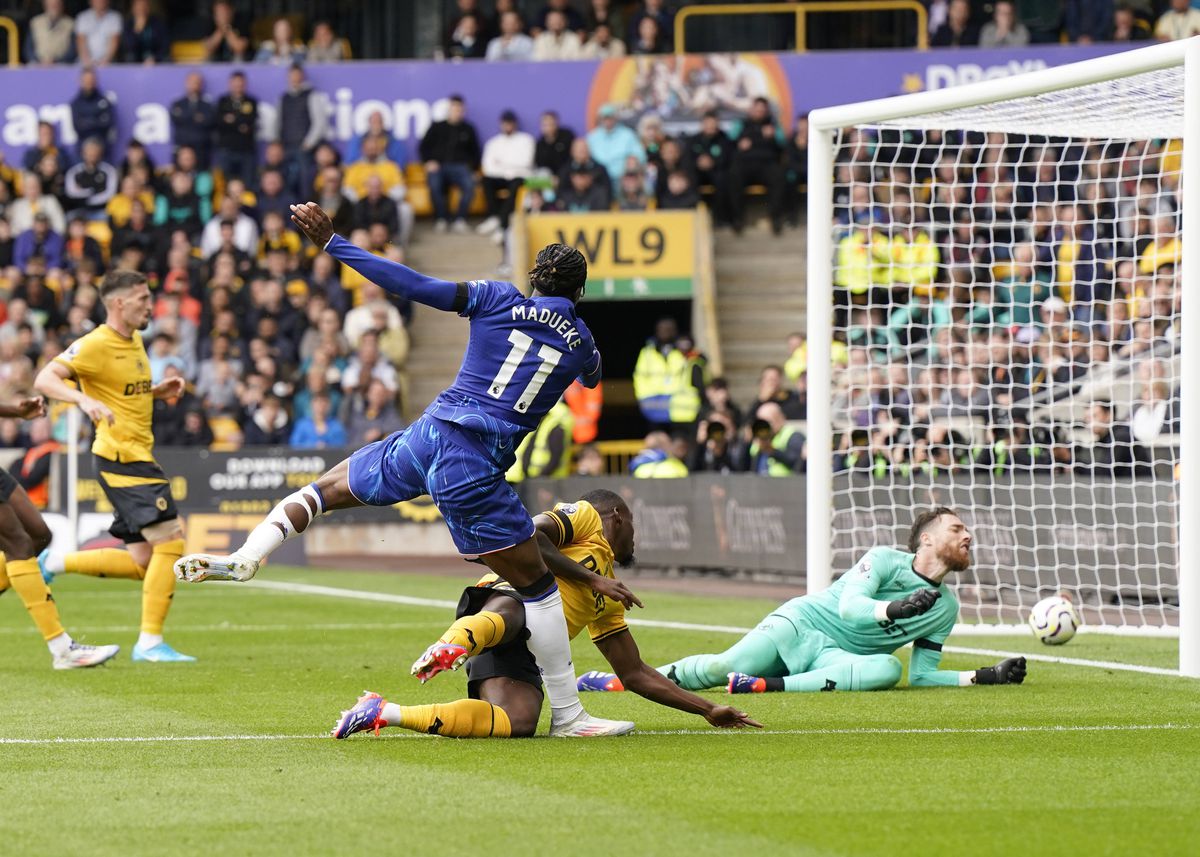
[(187, 52)]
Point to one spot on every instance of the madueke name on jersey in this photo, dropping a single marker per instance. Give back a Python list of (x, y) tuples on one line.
[(561, 325)]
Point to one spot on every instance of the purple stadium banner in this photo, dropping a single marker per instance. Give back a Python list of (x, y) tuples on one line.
[(412, 94)]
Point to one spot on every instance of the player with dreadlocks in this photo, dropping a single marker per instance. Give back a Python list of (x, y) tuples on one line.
[(522, 355)]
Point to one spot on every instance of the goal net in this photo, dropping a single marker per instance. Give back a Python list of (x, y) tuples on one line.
[(1001, 268)]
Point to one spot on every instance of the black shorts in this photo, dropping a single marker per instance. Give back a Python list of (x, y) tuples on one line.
[(511, 660), (140, 495), (7, 485)]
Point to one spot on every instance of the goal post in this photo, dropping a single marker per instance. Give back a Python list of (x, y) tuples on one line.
[(995, 283)]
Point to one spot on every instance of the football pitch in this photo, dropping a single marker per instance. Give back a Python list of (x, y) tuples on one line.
[(231, 755)]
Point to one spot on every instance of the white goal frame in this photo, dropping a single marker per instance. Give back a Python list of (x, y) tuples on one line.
[(823, 127)]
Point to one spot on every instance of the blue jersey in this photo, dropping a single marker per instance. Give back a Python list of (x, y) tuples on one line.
[(522, 355)]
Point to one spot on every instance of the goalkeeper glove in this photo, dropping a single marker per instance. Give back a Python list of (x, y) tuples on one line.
[(1010, 671), (914, 605)]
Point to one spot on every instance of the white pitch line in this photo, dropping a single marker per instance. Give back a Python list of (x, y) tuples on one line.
[(867, 730), (332, 626), (389, 598)]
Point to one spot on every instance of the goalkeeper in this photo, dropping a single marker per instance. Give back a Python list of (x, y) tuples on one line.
[(843, 638)]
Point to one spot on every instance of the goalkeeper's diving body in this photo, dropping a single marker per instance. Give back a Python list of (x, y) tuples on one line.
[(843, 638)]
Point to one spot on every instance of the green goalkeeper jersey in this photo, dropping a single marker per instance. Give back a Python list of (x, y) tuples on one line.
[(852, 611)]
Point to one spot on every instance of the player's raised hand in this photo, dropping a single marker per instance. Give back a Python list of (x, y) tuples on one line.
[(31, 408), (168, 388), (313, 222), (615, 590), (728, 717), (914, 605), (96, 411)]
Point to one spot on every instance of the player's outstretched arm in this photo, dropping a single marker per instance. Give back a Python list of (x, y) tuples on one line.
[(389, 276), (621, 651), (923, 670)]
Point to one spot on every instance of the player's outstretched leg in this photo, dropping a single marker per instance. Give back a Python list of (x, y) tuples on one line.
[(506, 709), (832, 670), (523, 567), (755, 654), (291, 517), (471, 634)]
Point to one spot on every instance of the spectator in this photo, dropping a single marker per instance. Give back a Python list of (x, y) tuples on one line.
[(138, 232), (335, 203), (757, 162), (600, 13), (771, 391), (97, 35), (144, 38), (268, 425), (602, 44), (394, 149), (374, 163), (712, 151), (958, 31), (545, 453), (236, 131), (1157, 411), (1112, 451), (303, 125), (282, 48), (1180, 21), (373, 416), (91, 183), (92, 112), (795, 169), (580, 158), (556, 42), (680, 193), (776, 448), (376, 207), (51, 36), (41, 242), (715, 450), (1089, 21), (120, 208), (368, 363), (469, 42), (662, 458), (32, 202), (450, 152), (582, 193), (611, 143), (553, 149), (227, 42), (325, 46), (512, 45), (320, 429), (1127, 27), (572, 20), (631, 191), (457, 33), (649, 39), (589, 461), (507, 161), (245, 230), (47, 146), (659, 375), (32, 470), (193, 119), (179, 207), (1005, 30), (663, 19)]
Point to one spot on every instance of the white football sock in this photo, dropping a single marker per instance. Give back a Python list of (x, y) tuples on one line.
[(148, 641), (60, 645), (277, 527), (551, 649), (390, 714)]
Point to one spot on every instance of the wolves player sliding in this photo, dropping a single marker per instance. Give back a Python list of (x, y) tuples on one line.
[(843, 638), (522, 355), (578, 541)]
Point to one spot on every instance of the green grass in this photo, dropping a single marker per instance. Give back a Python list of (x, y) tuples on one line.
[(274, 663)]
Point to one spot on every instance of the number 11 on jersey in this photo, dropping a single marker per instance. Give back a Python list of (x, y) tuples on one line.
[(521, 343)]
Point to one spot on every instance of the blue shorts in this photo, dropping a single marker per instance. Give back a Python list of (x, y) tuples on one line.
[(452, 465)]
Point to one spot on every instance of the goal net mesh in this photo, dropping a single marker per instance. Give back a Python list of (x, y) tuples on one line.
[(1006, 316)]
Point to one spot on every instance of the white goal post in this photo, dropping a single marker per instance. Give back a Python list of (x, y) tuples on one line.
[(1013, 315)]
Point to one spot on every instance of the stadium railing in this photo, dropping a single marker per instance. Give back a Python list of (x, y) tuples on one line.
[(12, 37), (801, 11)]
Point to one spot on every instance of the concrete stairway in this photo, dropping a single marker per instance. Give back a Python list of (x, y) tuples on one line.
[(439, 338), (761, 299)]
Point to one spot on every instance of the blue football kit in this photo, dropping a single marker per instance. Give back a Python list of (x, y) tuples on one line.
[(522, 355)]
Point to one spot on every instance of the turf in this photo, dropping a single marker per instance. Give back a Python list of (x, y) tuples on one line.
[(926, 772)]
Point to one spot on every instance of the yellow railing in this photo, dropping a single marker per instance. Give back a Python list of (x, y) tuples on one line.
[(617, 454), (801, 11), (14, 42)]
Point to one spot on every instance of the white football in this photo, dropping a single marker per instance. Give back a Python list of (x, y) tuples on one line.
[(1054, 620)]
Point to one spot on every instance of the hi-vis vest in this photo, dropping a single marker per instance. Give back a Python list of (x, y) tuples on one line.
[(685, 398), (534, 455), (853, 269), (666, 468), (780, 441), (899, 261), (656, 380)]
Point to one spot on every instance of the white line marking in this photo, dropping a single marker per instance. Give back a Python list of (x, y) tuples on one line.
[(389, 598), (401, 734), (332, 626)]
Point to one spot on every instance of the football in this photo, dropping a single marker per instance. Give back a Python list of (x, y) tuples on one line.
[(1054, 620)]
